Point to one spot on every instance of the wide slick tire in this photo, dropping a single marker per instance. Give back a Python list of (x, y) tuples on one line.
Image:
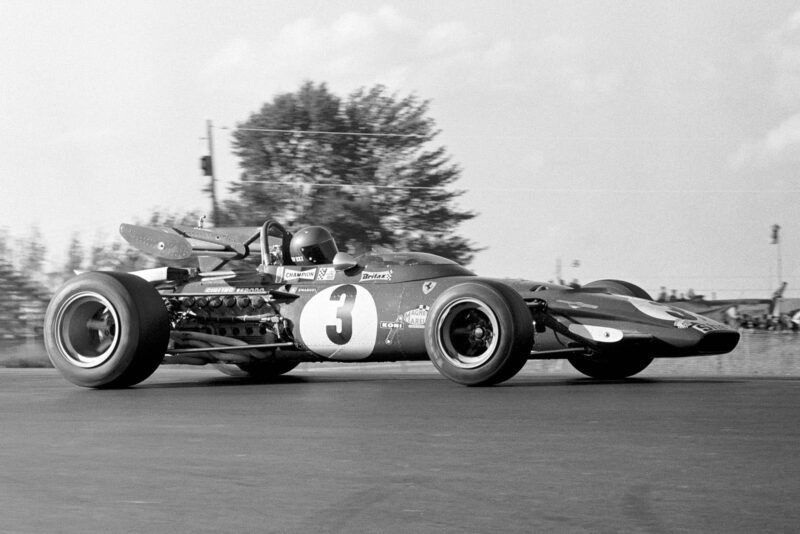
[(106, 330), (612, 367), (479, 333), (267, 370)]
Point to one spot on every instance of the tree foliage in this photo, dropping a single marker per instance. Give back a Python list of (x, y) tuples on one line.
[(368, 189), (75, 255), (32, 252)]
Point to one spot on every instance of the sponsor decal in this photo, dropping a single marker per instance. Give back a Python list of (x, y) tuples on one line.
[(705, 328), (411, 319), (575, 305), (428, 286), (304, 289), (326, 273), (416, 318), (378, 276), (287, 274), (260, 290)]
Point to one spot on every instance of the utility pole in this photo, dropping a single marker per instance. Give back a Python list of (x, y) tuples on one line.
[(776, 240), (209, 170), (780, 264)]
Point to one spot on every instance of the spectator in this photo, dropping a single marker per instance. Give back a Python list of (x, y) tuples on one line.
[(732, 316), (662, 295)]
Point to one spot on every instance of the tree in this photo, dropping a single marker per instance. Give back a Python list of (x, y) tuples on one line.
[(385, 186), (75, 255), (32, 252)]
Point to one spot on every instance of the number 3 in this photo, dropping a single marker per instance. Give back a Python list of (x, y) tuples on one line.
[(341, 333)]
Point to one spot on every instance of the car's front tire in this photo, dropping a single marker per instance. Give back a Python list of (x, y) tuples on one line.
[(106, 330), (611, 367), (617, 365), (479, 333)]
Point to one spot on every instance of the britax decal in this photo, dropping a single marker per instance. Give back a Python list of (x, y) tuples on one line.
[(379, 276), (286, 274)]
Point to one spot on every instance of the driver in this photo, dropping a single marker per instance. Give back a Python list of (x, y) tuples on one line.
[(313, 245)]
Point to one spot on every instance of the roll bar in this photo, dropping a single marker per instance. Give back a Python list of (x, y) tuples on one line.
[(285, 236)]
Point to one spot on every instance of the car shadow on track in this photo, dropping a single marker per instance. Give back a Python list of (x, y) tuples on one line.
[(333, 378), (533, 382)]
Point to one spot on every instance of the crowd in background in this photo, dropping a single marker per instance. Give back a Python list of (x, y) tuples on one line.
[(674, 296), (762, 319), (783, 322)]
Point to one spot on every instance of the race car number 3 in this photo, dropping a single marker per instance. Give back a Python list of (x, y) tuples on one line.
[(340, 322)]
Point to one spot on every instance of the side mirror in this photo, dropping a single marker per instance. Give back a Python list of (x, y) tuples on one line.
[(344, 261)]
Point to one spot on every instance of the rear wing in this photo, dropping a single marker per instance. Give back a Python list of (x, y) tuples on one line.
[(213, 247)]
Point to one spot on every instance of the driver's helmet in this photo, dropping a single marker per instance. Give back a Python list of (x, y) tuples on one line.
[(313, 245)]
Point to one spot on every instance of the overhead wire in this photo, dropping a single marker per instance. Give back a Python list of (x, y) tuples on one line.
[(343, 186), (323, 132), (496, 189)]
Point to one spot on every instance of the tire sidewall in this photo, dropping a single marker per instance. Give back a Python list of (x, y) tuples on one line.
[(120, 369), (514, 339)]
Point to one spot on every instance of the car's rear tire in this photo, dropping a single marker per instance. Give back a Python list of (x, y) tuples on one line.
[(611, 366), (267, 370), (479, 333), (106, 330)]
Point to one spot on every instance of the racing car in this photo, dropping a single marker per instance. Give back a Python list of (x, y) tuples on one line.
[(262, 300)]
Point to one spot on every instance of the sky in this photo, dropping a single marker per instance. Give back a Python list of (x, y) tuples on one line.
[(651, 141)]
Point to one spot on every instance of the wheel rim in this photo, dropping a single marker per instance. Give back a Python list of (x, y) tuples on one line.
[(468, 333), (87, 329)]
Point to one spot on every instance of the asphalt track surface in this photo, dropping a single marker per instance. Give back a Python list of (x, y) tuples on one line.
[(344, 450)]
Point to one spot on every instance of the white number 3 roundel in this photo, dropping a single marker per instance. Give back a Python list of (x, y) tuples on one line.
[(340, 322)]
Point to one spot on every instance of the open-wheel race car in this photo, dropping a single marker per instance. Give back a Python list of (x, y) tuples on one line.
[(264, 300)]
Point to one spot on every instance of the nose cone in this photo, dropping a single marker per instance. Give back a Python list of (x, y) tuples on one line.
[(718, 342)]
